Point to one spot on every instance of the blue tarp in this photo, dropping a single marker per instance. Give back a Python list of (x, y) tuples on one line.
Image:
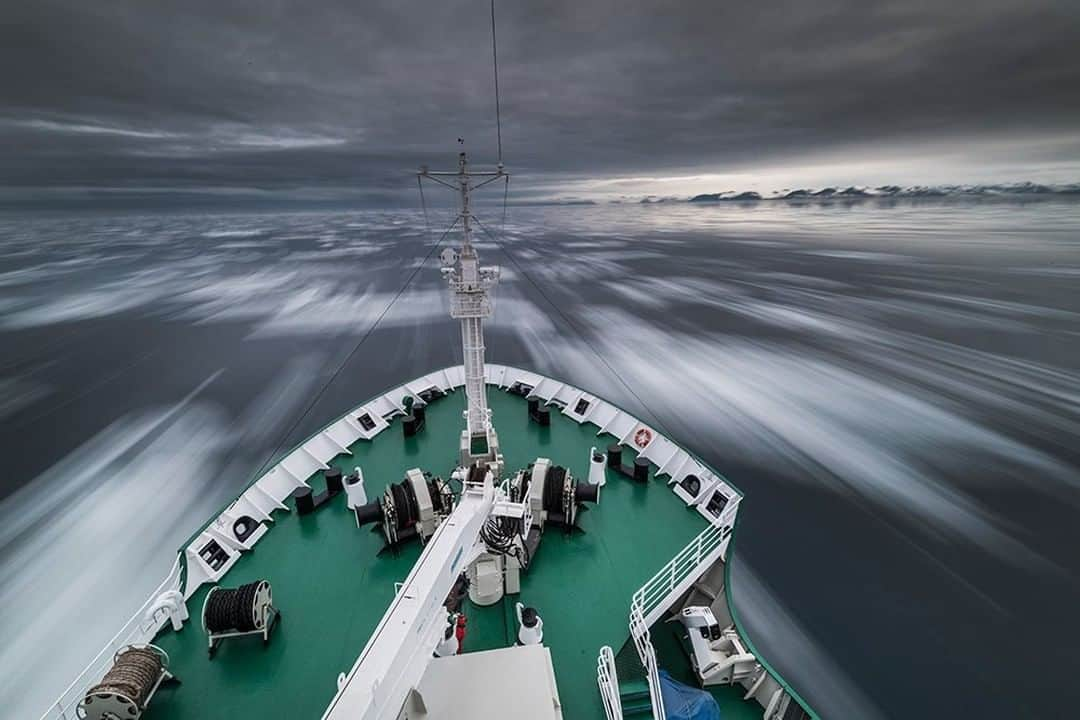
[(682, 702)]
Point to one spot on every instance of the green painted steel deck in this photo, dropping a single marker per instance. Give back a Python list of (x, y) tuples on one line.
[(332, 584)]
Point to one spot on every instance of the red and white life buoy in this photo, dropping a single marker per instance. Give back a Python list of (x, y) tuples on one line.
[(643, 437)]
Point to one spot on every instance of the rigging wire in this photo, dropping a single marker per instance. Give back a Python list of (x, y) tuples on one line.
[(506, 192), (495, 63), (355, 349), (423, 204), (575, 329)]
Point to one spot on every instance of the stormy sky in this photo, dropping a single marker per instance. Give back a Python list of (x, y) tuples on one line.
[(327, 100)]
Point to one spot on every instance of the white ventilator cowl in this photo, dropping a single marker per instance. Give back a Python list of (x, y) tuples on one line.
[(530, 626), (354, 490), (596, 468)]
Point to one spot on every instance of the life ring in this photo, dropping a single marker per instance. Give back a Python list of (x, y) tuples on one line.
[(643, 437)]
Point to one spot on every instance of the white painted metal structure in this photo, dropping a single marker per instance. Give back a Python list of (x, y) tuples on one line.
[(472, 297), (398, 652), (680, 572), (516, 681), (721, 660), (607, 679), (639, 632)]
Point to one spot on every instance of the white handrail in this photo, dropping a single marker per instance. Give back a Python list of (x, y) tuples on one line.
[(640, 632), (608, 680), (672, 580), (139, 629), (707, 547)]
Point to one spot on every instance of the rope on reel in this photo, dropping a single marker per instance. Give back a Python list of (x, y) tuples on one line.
[(228, 609), (246, 610), (127, 687)]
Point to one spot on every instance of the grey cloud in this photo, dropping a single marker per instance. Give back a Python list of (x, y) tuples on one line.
[(278, 96)]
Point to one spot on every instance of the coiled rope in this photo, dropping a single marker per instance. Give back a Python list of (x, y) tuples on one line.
[(133, 675), (232, 609), (553, 489)]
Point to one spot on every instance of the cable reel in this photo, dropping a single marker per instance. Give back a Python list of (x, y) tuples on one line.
[(126, 689), (554, 494), (246, 610), (416, 506)]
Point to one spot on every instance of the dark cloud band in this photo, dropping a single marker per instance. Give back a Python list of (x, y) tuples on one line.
[(291, 95)]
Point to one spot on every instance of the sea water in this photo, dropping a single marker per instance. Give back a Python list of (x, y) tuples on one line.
[(895, 387)]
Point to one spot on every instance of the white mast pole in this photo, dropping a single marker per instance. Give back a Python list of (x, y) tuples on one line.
[(471, 302), (472, 294), (472, 298)]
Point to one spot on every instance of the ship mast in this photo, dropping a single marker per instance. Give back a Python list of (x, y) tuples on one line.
[(472, 291), (471, 301)]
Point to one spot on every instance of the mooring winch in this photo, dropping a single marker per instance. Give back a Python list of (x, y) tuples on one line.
[(411, 508)]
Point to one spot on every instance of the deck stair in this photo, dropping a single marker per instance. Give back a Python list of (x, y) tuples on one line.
[(635, 699)]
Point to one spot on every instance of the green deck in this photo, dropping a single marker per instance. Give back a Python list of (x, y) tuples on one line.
[(333, 587)]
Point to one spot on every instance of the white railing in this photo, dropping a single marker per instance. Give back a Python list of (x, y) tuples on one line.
[(139, 629), (675, 578), (681, 571), (608, 680), (640, 632)]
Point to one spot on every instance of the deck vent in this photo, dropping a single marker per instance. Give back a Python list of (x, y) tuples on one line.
[(243, 527), (431, 394), (691, 484), (716, 504), (366, 422), (520, 388), (213, 555), (581, 407)]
